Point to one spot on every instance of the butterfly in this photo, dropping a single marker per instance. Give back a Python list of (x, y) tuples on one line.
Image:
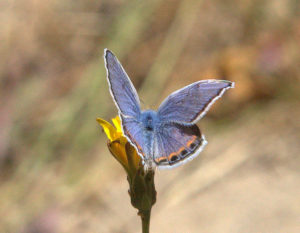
[(168, 137)]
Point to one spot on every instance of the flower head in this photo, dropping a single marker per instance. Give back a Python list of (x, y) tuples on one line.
[(119, 147), (141, 181)]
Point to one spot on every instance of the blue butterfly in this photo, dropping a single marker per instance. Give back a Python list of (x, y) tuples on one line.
[(167, 137)]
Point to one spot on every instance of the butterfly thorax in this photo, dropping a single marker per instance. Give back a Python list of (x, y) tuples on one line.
[(149, 120)]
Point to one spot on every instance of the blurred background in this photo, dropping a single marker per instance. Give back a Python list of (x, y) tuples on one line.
[(56, 174)]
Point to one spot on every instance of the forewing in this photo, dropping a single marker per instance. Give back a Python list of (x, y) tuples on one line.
[(133, 131), (121, 88), (176, 144), (189, 104)]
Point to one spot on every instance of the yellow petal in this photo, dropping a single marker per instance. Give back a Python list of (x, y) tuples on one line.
[(117, 122), (129, 159), (132, 157), (137, 159), (118, 151), (109, 130)]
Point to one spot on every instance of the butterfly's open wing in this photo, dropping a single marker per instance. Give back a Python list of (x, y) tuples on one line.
[(189, 104), (121, 88), (141, 139), (175, 144)]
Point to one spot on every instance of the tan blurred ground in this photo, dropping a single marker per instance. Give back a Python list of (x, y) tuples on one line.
[(56, 174)]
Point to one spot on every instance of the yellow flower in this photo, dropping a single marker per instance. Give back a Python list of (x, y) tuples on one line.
[(119, 147), (141, 182)]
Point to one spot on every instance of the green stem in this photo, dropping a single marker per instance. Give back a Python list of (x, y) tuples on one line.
[(145, 217)]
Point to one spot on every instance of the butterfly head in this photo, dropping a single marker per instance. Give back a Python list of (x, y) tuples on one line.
[(149, 119)]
